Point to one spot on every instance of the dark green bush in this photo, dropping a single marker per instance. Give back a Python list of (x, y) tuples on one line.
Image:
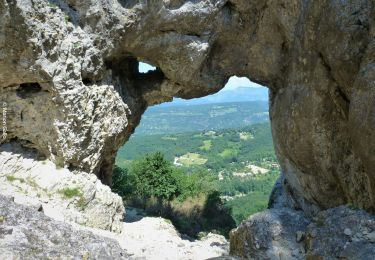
[(189, 200)]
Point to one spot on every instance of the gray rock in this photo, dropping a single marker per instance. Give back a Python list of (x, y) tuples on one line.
[(347, 232), (300, 235), (330, 243), (271, 231), (371, 237), (28, 234), (269, 235), (68, 73)]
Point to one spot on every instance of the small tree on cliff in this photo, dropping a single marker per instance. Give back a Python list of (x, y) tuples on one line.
[(155, 178)]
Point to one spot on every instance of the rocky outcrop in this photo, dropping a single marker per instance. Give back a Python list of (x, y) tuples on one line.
[(337, 233), (270, 235), (76, 197), (28, 234), (71, 89), (156, 238), (68, 74)]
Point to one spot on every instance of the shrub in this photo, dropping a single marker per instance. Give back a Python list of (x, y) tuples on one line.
[(189, 200), (123, 182), (154, 177)]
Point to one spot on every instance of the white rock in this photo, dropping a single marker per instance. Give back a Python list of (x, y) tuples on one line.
[(39, 184)]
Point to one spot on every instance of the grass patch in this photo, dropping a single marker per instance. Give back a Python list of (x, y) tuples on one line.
[(32, 182), (67, 18), (201, 235), (76, 45), (246, 136), (70, 192), (192, 159), (207, 144), (228, 153), (11, 178), (243, 207), (168, 221)]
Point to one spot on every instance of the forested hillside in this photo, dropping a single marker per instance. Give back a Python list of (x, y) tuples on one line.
[(239, 94), (180, 119), (225, 149), (239, 163)]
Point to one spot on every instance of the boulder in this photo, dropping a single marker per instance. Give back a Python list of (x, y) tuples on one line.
[(76, 197), (26, 233), (337, 233)]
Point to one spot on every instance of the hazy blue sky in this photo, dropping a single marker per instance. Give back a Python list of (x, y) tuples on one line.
[(144, 67), (233, 82)]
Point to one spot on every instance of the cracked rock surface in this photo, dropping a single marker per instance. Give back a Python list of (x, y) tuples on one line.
[(71, 89), (76, 197), (68, 72), (28, 234), (337, 233)]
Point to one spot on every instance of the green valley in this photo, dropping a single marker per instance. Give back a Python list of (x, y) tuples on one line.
[(240, 162)]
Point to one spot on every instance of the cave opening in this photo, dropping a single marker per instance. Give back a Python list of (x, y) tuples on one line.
[(218, 147), (27, 90)]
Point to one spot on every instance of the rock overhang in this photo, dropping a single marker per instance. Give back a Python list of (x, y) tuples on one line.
[(87, 52)]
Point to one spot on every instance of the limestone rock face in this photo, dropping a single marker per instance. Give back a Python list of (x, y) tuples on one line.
[(156, 238), (75, 197), (337, 233), (28, 234), (68, 75), (269, 235)]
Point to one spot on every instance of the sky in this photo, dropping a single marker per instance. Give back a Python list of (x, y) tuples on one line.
[(233, 83), (144, 67)]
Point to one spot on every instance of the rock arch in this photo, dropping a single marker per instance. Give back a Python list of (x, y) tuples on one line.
[(317, 58)]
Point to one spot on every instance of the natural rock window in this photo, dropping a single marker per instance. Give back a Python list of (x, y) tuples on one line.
[(145, 67), (225, 135)]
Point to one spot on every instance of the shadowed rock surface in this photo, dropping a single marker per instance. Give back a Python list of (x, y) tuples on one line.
[(28, 234)]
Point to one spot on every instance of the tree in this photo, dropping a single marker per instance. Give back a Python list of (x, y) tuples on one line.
[(123, 182), (154, 177)]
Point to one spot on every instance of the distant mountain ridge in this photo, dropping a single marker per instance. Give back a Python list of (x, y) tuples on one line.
[(202, 117), (240, 94)]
